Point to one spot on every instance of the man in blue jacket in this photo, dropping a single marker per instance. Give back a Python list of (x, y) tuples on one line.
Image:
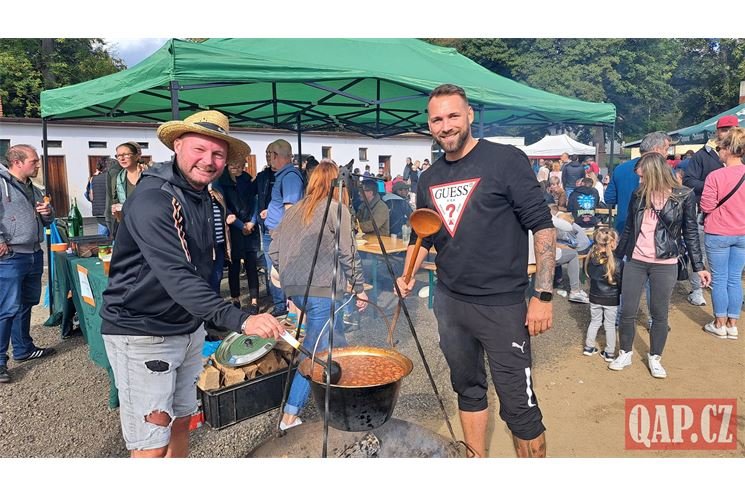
[(624, 180), (159, 296), (287, 190)]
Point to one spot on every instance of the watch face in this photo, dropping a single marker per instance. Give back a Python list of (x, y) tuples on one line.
[(544, 295)]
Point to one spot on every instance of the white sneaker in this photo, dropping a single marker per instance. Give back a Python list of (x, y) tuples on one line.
[(731, 332), (655, 367), (578, 297), (720, 332), (561, 293), (622, 361), (295, 423), (697, 298)]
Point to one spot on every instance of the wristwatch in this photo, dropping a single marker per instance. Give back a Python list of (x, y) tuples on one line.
[(543, 295)]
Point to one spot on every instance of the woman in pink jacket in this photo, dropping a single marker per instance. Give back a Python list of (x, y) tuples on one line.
[(723, 200)]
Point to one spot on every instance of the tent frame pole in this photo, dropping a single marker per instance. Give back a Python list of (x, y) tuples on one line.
[(174, 87), (47, 231), (299, 143), (611, 166), (481, 121)]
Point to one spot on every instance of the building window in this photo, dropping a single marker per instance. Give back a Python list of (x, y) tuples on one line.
[(143, 144), (325, 152), (4, 145), (97, 144), (52, 144), (363, 154)]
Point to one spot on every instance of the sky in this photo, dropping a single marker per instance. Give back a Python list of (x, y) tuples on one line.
[(133, 50)]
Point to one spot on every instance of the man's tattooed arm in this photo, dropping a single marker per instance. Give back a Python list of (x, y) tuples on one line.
[(544, 242)]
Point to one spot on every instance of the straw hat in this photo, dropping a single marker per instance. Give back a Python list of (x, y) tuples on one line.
[(208, 123)]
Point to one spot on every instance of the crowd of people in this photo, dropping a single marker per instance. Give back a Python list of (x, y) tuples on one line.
[(177, 224)]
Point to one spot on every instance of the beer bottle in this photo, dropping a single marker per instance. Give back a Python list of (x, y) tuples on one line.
[(75, 220)]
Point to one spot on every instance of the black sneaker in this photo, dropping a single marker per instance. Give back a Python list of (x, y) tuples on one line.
[(4, 376), (38, 353), (253, 309), (236, 304), (608, 357), (72, 334), (589, 350), (278, 312)]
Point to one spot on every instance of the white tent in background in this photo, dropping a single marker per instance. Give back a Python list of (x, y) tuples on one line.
[(554, 146)]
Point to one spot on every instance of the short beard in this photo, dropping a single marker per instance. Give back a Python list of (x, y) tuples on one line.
[(458, 145)]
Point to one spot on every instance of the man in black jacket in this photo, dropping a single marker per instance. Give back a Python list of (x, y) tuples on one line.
[(97, 195), (571, 173), (488, 199), (705, 161), (158, 295)]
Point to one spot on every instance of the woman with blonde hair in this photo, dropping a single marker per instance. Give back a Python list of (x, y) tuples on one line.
[(723, 200), (557, 192), (660, 212), (292, 256), (555, 171)]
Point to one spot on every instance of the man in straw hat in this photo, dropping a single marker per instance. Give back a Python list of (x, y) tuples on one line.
[(158, 295)]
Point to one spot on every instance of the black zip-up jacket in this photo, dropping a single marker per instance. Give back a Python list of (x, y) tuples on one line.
[(601, 291), (98, 186), (264, 183), (241, 201), (703, 162), (571, 173), (162, 260), (677, 218), (488, 200)]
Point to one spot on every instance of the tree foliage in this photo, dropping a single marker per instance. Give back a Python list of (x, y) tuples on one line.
[(655, 84), (28, 66)]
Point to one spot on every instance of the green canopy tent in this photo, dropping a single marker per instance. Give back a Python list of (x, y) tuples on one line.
[(376, 87), (700, 133)]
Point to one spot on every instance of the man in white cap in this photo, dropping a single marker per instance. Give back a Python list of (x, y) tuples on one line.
[(158, 295)]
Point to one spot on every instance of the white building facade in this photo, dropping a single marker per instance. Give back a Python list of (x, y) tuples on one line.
[(75, 148)]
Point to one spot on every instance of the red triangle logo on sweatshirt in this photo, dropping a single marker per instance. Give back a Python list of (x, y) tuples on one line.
[(451, 200)]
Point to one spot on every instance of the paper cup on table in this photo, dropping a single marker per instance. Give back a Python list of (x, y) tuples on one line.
[(106, 264)]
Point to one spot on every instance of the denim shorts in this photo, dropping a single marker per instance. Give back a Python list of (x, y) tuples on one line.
[(154, 374)]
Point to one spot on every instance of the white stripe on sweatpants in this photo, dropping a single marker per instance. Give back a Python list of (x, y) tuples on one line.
[(528, 389)]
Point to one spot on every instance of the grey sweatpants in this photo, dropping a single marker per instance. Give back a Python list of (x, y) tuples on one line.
[(597, 312), (569, 258), (662, 278)]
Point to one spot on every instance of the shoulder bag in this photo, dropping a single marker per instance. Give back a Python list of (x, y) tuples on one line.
[(726, 197)]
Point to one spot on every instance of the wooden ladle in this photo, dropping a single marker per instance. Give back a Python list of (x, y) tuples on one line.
[(425, 222)]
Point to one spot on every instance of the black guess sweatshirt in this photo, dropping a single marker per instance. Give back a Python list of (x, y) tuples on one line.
[(488, 200)]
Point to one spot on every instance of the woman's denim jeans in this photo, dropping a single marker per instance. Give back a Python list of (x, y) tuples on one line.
[(726, 256), (318, 313)]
